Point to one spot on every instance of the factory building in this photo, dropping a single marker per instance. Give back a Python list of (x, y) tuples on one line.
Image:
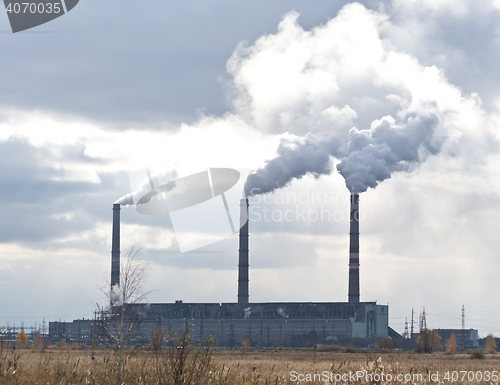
[(466, 338), (79, 331), (268, 324)]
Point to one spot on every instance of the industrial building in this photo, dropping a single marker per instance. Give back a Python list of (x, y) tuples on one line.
[(466, 338), (268, 324), (79, 331)]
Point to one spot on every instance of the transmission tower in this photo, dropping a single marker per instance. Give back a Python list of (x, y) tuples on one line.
[(406, 334), (463, 317), (411, 326)]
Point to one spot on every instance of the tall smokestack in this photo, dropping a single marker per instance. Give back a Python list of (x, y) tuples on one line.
[(115, 247), (354, 250), (243, 253)]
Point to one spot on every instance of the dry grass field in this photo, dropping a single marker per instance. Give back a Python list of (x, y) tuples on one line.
[(24, 366), (270, 368)]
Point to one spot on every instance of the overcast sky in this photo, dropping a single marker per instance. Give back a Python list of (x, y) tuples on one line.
[(112, 88)]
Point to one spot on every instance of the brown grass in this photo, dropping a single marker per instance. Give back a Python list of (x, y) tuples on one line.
[(24, 366)]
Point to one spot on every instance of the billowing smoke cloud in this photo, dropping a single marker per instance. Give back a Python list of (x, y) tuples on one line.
[(396, 111), (372, 155), (157, 179), (387, 147), (297, 156)]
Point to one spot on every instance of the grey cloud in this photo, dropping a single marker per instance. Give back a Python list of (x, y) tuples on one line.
[(133, 66), (36, 196), (465, 46)]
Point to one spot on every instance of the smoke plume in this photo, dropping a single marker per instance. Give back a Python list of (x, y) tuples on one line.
[(297, 156), (372, 155), (397, 112), (387, 147), (145, 187)]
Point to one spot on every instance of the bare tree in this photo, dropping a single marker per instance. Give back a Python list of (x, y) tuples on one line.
[(127, 309), (38, 341), (157, 338), (187, 364)]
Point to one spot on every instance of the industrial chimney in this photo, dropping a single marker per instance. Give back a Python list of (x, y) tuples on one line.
[(354, 250), (115, 247), (243, 253)]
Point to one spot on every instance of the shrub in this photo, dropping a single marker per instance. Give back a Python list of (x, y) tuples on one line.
[(61, 344), (476, 354), (330, 348), (385, 343), (157, 338), (351, 349), (184, 363)]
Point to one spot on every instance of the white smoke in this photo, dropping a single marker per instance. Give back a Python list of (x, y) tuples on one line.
[(116, 296), (297, 156), (128, 200), (144, 186), (387, 147), (396, 111), (372, 155)]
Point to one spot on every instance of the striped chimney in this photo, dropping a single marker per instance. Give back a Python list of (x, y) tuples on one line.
[(115, 247), (354, 250), (243, 253)]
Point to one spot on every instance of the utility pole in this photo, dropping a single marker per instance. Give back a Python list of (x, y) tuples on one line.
[(463, 339), (411, 336)]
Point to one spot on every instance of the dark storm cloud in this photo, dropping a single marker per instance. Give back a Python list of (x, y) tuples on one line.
[(35, 196), (42, 203), (128, 63)]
